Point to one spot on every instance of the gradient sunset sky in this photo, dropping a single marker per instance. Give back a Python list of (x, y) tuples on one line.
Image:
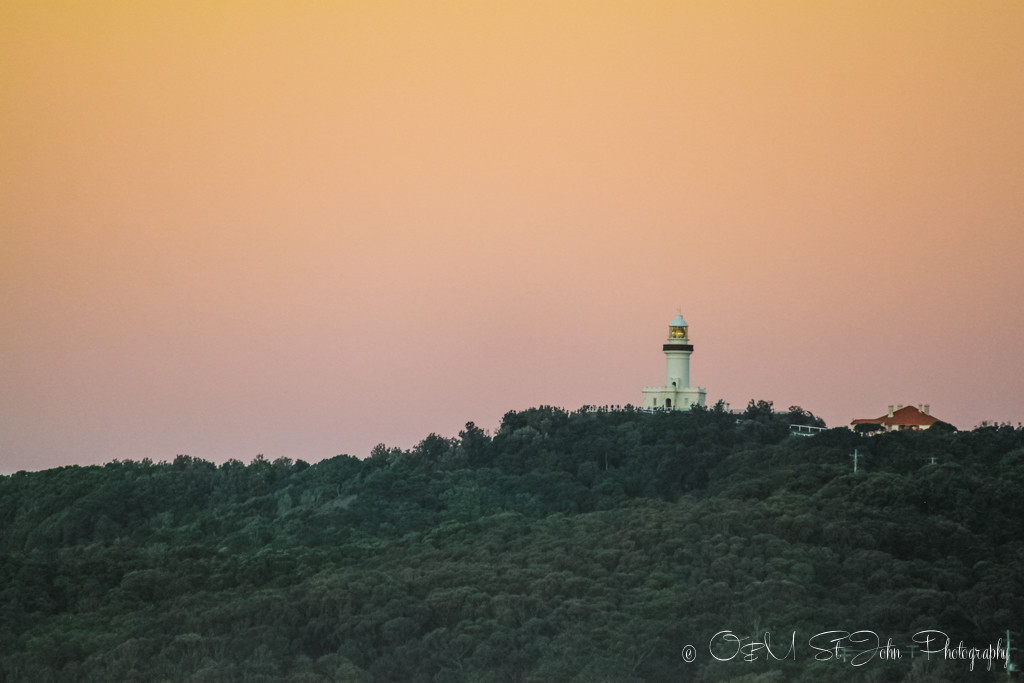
[(301, 229)]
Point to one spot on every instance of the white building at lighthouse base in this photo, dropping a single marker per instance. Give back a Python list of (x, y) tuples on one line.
[(668, 398)]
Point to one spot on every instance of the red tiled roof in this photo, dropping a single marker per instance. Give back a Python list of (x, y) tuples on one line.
[(907, 415)]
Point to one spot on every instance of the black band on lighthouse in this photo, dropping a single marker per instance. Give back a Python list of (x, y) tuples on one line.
[(677, 347)]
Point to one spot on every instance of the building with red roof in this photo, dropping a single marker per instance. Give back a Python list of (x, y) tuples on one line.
[(900, 419)]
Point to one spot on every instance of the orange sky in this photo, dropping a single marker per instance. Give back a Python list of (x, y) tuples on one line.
[(303, 228)]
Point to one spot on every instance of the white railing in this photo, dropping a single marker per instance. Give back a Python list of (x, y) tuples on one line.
[(805, 430)]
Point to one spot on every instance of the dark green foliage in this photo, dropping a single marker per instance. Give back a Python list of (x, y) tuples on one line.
[(586, 546)]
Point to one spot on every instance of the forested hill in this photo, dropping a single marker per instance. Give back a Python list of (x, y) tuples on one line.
[(586, 546)]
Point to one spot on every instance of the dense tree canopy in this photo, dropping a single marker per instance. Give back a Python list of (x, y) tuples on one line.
[(586, 546)]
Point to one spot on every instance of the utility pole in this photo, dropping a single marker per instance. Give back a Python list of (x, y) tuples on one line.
[(1010, 666)]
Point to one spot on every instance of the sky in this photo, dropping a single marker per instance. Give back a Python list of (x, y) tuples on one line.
[(300, 229)]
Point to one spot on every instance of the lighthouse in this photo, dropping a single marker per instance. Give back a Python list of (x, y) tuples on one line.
[(677, 394)]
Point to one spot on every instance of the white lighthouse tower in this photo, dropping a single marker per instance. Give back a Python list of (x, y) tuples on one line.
[(677, 394)]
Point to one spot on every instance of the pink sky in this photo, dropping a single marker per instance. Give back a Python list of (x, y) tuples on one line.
[(301, 229)]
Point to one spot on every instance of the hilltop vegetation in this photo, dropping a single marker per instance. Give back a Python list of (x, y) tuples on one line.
[(586, 546)]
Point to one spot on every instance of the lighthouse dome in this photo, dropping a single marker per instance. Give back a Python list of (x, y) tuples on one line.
[(678, 321)]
